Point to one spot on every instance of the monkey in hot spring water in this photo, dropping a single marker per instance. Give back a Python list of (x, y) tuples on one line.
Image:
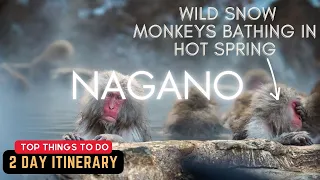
[(253, 79), (311, 103), (278, 120), (42, 65), (113, 118), (195, 118)]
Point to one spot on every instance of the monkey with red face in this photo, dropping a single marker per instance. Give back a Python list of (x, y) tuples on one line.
[(113, 118), (111, 106), (278, 120)]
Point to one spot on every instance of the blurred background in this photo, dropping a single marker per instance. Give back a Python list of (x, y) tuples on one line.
[(101, 32)]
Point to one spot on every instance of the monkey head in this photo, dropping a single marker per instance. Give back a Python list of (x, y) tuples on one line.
[(281, 114), (253, 79), (60, 50), (113, 111), (244, 99), (197, 100)]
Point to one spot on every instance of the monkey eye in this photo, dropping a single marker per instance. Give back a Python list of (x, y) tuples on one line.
[(109, 94), (119, 97)]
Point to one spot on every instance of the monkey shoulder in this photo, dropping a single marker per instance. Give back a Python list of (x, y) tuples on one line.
[(194, 128), (135, 134), (239, 120), (258, 128)]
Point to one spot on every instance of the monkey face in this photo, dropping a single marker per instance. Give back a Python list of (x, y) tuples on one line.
[(111, 113), (296, 119), (112, 105), (283, 113)]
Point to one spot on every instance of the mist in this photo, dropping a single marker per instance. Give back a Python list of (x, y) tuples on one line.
[(47, 110)]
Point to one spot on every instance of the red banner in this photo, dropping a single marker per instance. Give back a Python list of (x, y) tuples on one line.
[(62, 147)]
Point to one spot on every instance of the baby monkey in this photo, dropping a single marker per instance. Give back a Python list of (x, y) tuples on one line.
[(277, 120)]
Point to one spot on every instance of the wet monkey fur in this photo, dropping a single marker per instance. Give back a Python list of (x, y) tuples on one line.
[(112, 118), (312, 123), (277, 120), (312, 105), (238, 113), (195, 118), (253, 79)]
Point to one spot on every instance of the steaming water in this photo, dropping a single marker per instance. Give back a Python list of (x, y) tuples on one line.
[(48, 111)]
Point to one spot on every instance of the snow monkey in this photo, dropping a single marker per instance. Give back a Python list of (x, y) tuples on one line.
[(278, 120), (253, 79), (195, 118), (312, 105), (113, 118), (41, 66), (60, 50), (238, 112)]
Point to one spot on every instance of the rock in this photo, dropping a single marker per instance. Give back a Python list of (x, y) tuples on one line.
[(161, 159)]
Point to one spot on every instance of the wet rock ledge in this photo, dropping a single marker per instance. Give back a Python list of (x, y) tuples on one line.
[(161, 159)]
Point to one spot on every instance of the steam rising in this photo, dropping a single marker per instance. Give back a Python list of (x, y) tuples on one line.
[(47, 111)]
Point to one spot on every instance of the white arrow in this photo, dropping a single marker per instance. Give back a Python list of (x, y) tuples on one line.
[(277, 90)]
